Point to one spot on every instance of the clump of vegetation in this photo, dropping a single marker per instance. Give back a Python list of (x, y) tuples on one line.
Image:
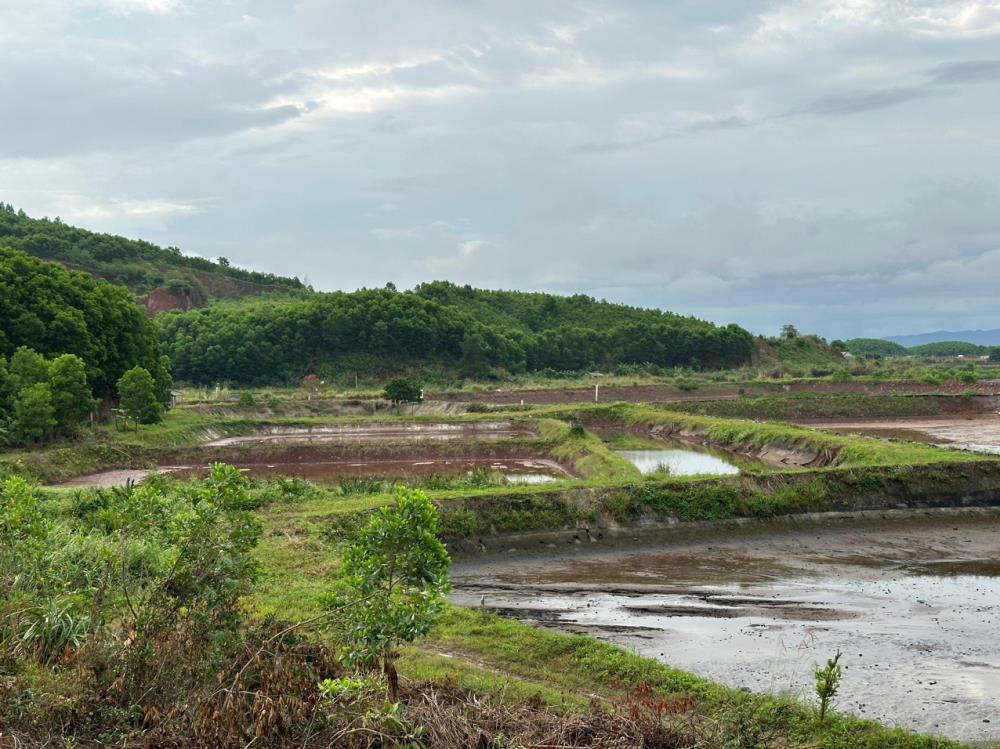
[(393, 580), (41, 399), (403, 390), (54, 312)]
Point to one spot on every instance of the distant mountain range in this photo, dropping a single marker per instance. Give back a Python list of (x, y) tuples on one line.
[(978, 337)]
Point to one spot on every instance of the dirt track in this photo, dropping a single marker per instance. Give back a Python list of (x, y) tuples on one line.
[(655, 393)]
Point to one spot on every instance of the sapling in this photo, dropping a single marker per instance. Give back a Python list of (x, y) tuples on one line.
[(393, 580), (827, 683)]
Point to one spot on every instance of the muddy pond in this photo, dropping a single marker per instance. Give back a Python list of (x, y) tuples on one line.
[(912, 599), (515, 471), (392, 432)]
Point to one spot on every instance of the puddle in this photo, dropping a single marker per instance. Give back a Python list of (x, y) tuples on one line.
[(355, 434), (912, 602), (678, 462)]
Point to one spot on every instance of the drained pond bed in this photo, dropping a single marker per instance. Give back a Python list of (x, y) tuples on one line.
[(911, 599)]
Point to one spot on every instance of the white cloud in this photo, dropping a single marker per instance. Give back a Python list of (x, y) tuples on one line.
[(470, 247), (128, 7)]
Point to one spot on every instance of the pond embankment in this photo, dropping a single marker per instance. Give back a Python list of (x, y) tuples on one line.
[(618, 514)]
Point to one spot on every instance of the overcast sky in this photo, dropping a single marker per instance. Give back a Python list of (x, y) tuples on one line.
[(832, 163)]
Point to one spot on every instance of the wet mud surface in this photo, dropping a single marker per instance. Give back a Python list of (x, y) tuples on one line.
[(516, 470), (118, 477), (979, 434), (912, 600)]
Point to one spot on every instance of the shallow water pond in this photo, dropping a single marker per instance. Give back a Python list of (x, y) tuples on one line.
[(913, 602), (515, 470), (678, 462)]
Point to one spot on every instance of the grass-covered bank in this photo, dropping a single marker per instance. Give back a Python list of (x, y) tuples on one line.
[(488, 518), (752, 438)]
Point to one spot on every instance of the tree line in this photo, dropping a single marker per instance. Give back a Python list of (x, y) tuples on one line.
[(68, 341), (878, 347), (471, 332)]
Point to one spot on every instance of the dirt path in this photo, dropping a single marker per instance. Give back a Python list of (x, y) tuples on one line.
[(656, 393)]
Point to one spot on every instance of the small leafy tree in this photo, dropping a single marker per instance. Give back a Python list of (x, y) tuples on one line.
[(70, 392), (137, 391), (34, 414), (394, 578), (404, 390), (789, 331), (28, 367), (827, 684)]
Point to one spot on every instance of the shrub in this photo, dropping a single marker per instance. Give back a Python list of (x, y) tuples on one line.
[(393, 580), (403, 390)]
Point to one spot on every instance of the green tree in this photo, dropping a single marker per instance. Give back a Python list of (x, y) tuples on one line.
[(403, 390), (995, 354), (394, 577), (789, 331), (70, 392), (34, 414), (137, 396), (28, 367)]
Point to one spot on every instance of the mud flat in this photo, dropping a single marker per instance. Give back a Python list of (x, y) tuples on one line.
[(517, 470), (121, 477), (912, 599), (979, 434), (353, 434)]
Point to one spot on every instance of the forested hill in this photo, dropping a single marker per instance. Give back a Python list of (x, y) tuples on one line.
[(162, 278), (534, 311), (437, 327)]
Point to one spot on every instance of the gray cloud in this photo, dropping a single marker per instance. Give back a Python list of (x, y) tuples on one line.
[(865, 101), (950, 74), (830, 164), (972, 71)]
